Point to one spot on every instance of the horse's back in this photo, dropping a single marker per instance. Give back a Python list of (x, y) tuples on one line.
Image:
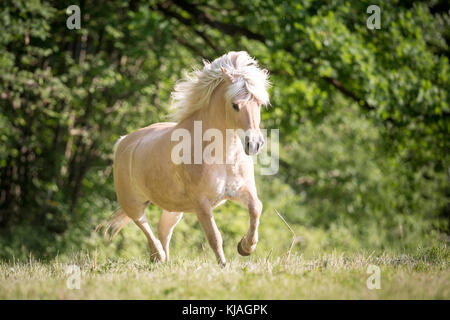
[(147, 133)]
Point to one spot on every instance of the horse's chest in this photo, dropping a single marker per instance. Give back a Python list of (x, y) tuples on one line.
[(232, 186), (228, 184)]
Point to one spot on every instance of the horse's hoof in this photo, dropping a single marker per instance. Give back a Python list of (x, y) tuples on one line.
[(158, 257), (156, 260), (240, 249), (222, 264)]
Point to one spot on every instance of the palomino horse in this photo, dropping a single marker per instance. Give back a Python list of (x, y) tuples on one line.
[(226, 95)]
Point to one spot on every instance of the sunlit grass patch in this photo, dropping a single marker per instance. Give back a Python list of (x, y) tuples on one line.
[(331, 275)]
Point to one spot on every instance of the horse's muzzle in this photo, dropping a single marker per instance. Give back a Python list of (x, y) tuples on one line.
[(253, 144)]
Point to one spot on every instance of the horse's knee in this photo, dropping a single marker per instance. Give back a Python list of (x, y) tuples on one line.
[(255, 207), (167, 223)]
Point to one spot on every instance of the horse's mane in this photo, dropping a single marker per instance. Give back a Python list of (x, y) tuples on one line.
[(194, 92)]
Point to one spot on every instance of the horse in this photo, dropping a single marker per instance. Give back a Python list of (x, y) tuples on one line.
[(226, 96)]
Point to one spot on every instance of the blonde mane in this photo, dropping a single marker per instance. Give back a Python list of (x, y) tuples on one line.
[(194, 92)]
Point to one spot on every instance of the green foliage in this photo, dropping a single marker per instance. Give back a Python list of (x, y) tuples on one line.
[(363, 118)]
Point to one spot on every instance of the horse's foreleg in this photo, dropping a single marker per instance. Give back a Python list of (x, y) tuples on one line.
[(248, 243), (166, 224), (206, 219)]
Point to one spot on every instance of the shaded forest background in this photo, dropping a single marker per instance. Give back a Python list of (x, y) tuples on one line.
[(363, 118)]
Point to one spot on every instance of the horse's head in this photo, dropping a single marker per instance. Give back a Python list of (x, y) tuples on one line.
[(245, 115), (246, 93)]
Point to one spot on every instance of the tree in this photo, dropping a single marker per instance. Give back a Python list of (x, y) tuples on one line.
[(67, 95)]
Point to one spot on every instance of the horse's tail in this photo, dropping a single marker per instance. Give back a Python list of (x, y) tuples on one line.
[(118, 219), (114, 224)]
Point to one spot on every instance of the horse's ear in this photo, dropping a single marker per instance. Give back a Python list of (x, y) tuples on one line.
[(227, 74)]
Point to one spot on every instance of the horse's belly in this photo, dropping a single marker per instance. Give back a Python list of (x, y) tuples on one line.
[(168, 192)]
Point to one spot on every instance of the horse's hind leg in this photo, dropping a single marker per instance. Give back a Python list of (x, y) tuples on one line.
[(134, 204), (156, 249), (134, 207), (166, 224)]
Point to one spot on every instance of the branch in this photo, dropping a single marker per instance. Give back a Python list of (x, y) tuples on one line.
[(187, 22), (338, 85), (198, 16), (191, 48)]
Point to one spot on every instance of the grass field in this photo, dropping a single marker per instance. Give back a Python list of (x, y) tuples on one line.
[(422, 275)]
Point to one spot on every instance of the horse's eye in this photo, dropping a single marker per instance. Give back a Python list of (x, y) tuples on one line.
[(235, 106)]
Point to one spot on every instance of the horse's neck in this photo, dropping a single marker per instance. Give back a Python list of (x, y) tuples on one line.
[(212, 117), (233, 149)]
